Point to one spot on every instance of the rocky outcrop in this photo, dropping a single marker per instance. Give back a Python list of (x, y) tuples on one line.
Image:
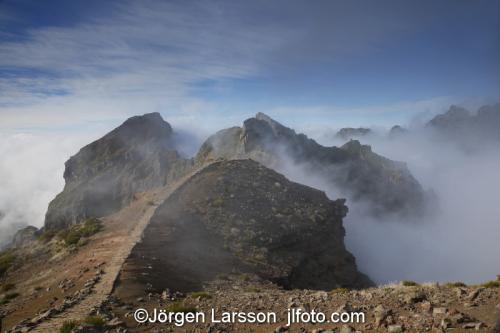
[(238, 217), (104, 176), (24, 236), (348, 133), (360, 174), (397, 131)]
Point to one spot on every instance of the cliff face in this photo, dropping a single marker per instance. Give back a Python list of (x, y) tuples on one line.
[(386, 186), (103, 176), (241, 217)]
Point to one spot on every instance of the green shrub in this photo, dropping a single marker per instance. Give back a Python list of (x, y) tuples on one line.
[(68, 326), (180, 307), (491, 284), (457, 284), (46, 236), (252, 290), (244, 277), (201, 294), (218, 202), (73, 235), (408, 283), (90, 227), (95, 321), (6, 261), (339, 291)]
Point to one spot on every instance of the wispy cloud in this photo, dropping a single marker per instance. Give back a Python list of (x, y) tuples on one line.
[(147, 51)]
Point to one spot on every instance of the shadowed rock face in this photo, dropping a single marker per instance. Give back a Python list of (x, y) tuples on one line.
[(387, 186), (239, 216), (137, 156)]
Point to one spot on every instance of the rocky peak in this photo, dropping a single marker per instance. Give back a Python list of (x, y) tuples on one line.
[(104, 176), (350, 133), (24, 236), (452, 117), (359, 172)]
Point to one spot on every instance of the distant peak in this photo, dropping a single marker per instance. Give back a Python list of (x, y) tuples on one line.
[(147, 126)]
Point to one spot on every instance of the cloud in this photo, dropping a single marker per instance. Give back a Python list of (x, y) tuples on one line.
[(31, 171), (149, 54)]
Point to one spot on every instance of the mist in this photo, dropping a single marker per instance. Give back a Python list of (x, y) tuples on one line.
[(457, 242), (31, 174)]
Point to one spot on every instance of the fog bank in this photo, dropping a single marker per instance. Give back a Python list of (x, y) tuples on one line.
[(460, 242)]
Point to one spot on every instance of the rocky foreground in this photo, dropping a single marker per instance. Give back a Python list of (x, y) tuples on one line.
[(393, 308)]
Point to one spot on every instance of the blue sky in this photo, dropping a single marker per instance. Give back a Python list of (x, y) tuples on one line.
[(72, 65)]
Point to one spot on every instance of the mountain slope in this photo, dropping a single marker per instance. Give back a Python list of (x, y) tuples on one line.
[(237, 217)]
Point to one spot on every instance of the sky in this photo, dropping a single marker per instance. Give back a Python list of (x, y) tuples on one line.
[(87, 65)]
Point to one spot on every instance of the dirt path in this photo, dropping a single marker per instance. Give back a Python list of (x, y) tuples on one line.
[(123, 230)]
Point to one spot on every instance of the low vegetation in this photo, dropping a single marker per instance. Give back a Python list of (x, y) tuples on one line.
[(201, 295), (491, 284), (408, 283), (180, 307), (218, 202), (46, 236), (76, 234), (95, 321), (68, 326), (457, 284), (339, 291), (6, 260)]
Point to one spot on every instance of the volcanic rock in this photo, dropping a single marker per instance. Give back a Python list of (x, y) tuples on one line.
[(104, 176), (232, 218)]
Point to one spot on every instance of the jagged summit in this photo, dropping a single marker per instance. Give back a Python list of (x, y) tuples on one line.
[(361, 174), (104, 175), (149, 126)]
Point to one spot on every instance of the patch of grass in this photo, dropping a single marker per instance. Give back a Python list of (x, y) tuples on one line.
[(95, 321), (457, 284), (68, 326), (7, 287), (201, 294), (74, 235), (181, 307), (218, 202), (6, 260), (47, 235), (339, 291), (491, 284), (244, 277), (408, 283), (252, 290)]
